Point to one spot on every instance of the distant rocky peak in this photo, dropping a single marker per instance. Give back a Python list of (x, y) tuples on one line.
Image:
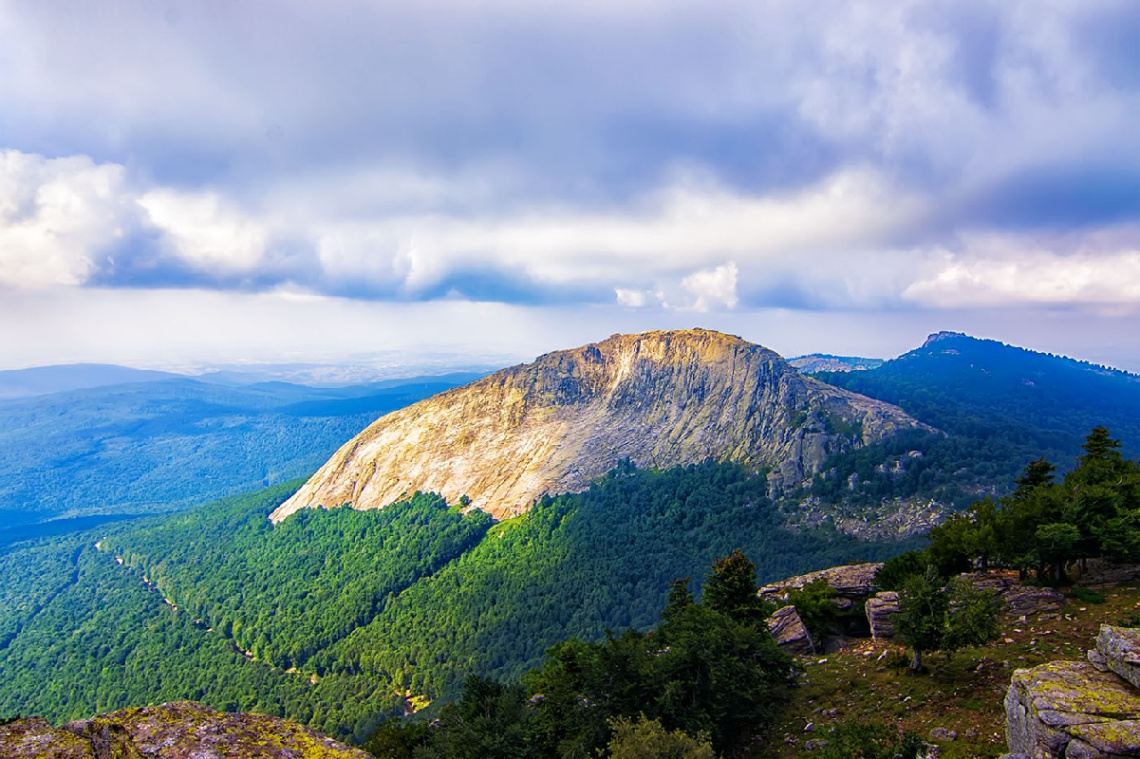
[(943, 335)]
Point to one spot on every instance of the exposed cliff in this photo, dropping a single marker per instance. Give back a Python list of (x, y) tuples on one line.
[(659, 398)]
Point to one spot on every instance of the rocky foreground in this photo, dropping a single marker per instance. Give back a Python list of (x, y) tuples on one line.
[(661, 399), (1079, 709), (181, 730)]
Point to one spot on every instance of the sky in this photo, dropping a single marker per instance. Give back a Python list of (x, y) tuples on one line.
[(245, 181)]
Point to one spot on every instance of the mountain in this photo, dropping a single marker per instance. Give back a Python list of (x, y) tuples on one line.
[(1000, 406), (970, 386), (823, 362), (660, 399), (170, 443), (42, 380)]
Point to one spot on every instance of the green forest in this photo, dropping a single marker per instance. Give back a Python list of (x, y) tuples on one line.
[(336, 617), (995, 407), (156, 447)]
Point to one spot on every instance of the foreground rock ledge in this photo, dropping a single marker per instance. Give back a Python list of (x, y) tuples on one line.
[(1071, 709), (180, 730)]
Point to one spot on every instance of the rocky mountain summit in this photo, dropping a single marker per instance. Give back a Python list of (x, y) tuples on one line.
[(660, 399), (182, 730)]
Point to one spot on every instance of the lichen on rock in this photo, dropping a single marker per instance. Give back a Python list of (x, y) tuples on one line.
[(179, 730)]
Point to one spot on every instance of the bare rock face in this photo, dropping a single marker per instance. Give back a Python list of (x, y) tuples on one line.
[(882, 610), (1071, 709), (661, 399), (789, 631), (181, 730), (1119, 649)]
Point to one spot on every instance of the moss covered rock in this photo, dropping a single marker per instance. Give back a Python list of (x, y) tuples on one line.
[(1071, 709), (181, 730)]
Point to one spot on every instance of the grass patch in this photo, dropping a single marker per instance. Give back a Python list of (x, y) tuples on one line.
[(1087, 595)]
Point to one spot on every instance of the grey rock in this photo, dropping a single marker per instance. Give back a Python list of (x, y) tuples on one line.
[(789, 631), (815, 743), (1120, 647), (882, 611), (1096, 658), (943, 734), (850, 581), (1071, 709), (1017, 600)]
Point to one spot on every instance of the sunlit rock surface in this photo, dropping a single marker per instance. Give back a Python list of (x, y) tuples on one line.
[(661, 399)]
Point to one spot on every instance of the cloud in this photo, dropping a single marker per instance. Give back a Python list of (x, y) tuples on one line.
[(205, 233), (713, 287), (1000, 270), (842, 156), (58, 217)]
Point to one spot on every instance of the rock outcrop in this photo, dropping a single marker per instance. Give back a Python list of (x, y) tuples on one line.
[(1119, 649), (1071, 709), (660, 399), (181, 730), (882, 610), (789, 631), (851, 582), (1017, 600)]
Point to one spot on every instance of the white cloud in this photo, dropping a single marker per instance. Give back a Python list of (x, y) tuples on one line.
[(713, 287), (57, 217), (204, 232), (630, 298), (1043, 279), (1095, 268)]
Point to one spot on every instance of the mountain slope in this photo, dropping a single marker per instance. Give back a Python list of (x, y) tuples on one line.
[(968, 386), (335, 617), (661, 399), (1001, 407), (42, 380)]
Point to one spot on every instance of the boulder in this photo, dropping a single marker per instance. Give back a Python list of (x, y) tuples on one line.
[(882, 609), (789, 631), (1022, 601), (1071, 709), (181, 730), (851, 581), (1017, 600), (1120, 649)]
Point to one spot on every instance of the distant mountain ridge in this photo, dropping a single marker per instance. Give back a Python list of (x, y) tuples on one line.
[(660, 399), (824, 362), (44, 380), (165, 444)]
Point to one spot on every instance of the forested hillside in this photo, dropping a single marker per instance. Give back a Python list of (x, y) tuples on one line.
[(1000, 407), (163, 445), (342, 614)]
